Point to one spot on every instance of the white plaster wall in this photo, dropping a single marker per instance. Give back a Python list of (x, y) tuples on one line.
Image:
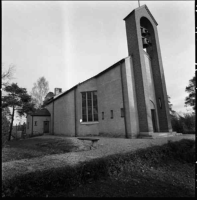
[(64, 116), (130, 98), (151, 91), (49, 107), (40, 123), (110, 98)]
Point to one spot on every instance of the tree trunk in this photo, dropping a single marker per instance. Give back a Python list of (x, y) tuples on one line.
[(9, 138)]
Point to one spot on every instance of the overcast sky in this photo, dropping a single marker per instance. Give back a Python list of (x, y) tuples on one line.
[(69, 42)]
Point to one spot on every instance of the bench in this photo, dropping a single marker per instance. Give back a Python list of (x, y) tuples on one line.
[(93, 140)]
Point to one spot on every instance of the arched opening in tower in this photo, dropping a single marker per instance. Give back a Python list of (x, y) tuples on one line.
[(147, 34)]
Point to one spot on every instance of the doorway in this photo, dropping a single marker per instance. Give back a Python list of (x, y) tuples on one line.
[(46, 126), (154, 120)]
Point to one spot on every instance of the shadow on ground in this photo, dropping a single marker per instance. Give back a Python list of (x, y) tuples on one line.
[(166, 181)]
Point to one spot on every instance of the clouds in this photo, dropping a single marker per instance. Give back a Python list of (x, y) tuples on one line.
[(69, 42)]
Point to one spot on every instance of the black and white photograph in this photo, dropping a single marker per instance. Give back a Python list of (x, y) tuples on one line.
[(98, 98)]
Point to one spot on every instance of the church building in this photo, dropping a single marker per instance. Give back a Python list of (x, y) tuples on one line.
[(128, 99)]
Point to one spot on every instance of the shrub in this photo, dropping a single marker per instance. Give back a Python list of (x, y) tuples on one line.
[(177, 124), (50, 181), (189, 123), (183, 150), (185, 124)]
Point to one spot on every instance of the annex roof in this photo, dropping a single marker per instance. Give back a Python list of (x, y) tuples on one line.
[(41, 112)]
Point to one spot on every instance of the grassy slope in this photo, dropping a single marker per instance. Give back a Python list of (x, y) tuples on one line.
[(166, 170), (36, 147), (166, 181)]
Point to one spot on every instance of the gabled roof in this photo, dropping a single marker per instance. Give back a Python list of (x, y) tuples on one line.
[(99, 74), (41, 112), (141, 7)]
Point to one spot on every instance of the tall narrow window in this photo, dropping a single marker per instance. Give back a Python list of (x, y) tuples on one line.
[(84, 111), (112, 114), (89, 100), (27, 125), (95, 106), (160, 104), (102, 115), (35, 123), (122, 112), (89, 107)]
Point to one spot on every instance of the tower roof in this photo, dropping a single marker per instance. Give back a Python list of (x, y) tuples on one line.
[(142, 7)]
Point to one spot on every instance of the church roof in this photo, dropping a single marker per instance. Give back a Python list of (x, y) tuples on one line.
[(102, 72)]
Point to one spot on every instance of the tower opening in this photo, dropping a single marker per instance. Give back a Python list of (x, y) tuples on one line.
[(147, 34)]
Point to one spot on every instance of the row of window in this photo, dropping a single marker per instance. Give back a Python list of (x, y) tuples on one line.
[(112, 113), (90, 107)]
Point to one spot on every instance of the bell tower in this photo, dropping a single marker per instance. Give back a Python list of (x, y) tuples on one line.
[(144, 50)]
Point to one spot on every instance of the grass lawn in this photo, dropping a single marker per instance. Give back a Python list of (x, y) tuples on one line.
[(157, 171), (37, 147)]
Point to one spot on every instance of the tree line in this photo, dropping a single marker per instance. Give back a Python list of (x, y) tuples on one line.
[(16, 100), (186, 123)]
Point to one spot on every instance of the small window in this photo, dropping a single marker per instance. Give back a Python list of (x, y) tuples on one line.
[(122, 112), (102, 115), (112, 114), (35, 123), (160, 104)]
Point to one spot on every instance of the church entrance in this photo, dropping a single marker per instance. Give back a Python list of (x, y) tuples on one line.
[(46, 126), (154, 120)]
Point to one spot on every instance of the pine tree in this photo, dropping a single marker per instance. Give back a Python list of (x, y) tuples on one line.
[(18, 100), (190, 99)]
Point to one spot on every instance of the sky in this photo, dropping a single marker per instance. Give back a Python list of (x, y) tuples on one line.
[(68, 42)]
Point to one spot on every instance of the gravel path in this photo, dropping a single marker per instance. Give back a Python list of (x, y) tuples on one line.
[(104, 147)]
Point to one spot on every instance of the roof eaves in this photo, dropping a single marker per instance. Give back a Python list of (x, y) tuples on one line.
[(151, 15), (143, 6), (129, 14), (104, 71), (62, 94), (109, 68)]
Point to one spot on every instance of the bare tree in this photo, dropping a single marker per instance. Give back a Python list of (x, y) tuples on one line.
[(39, 91), (7, 74)]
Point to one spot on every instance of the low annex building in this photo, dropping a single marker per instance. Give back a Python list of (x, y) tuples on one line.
[(127, 99), (38, 122)]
